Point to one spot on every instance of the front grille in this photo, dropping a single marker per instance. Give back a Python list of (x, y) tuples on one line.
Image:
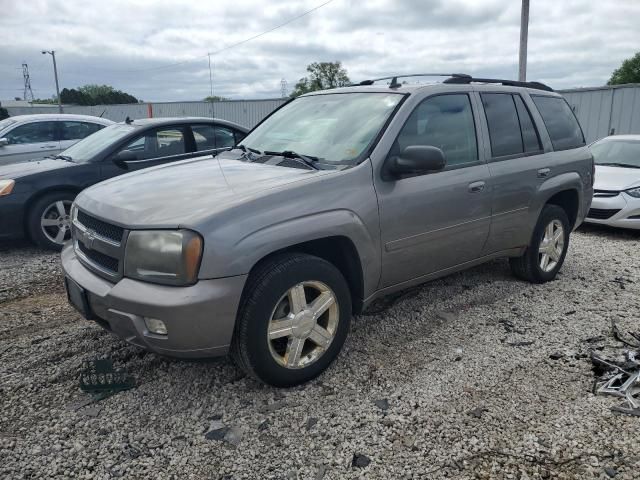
[(104, 229), (605, 193), (100, 259), (601, 213)]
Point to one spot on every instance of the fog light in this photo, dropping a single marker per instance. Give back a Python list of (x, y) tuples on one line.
[(155, 326)]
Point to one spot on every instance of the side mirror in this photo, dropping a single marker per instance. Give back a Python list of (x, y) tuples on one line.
[(416, 160), (4, 141), (123, 157)]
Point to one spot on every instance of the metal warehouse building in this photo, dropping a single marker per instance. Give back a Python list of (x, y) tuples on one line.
[(610, 110)]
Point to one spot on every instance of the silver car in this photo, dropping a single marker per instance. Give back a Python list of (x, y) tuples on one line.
[(337, 198), (616, 196), (32, 137)]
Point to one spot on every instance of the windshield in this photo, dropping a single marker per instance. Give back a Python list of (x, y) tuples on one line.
[(87, 148), (336, 128), (617, 151), (6, 122)]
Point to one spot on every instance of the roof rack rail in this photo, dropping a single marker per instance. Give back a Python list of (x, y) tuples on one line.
[(394, 79), (511, 83)]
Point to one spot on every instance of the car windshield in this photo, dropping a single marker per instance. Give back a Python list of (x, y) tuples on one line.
[(6, 122), (335, 128), (87, 148), (617, 152)]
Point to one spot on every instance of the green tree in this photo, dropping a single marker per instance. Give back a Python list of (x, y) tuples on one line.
[(629, 71), (95, 95), (322, 76), (3, 113), (215, 98)]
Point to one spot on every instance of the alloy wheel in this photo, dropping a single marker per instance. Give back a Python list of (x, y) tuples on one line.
[(56, 221), (551, 246), (303, 324)]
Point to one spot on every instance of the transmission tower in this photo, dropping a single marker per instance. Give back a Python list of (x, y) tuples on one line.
[(283, 88), (27, 82)]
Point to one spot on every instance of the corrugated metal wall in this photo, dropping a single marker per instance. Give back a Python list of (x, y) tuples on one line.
[(606, 110), (601, 110), (244, 112)]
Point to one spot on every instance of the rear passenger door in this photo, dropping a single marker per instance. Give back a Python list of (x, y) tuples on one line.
[(518, 165), (437, 220)]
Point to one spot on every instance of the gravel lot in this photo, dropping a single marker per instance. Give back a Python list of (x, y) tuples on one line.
[(452, 379)]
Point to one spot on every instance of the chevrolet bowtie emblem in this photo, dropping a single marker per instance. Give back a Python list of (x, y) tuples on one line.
[(88, 237)]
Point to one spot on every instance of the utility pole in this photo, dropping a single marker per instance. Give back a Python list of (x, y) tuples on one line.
[(213, 107), (524, 34), (55, 72), (27, 83)]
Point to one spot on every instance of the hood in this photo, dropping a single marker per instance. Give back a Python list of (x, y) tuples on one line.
[(616, 178), (185, 193), (23, 169)]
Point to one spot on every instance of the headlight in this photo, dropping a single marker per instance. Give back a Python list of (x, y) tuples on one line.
[(170, 257), (634, 192), (6, 187)]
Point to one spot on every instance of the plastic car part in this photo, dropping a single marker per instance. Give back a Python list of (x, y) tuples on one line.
[(99, 377)]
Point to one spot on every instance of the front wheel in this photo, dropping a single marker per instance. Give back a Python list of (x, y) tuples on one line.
[(49, 220), (293, 319), (546, 252)]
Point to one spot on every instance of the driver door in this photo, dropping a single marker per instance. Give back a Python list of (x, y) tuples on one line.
[(434, 221), (30, 141)]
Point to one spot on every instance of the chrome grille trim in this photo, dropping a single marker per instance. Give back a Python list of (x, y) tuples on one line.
[(92, 240)]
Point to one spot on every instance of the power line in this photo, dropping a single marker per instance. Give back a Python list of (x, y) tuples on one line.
[(241, 42)]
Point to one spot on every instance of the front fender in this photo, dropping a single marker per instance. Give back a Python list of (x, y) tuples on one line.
[(253, 247)]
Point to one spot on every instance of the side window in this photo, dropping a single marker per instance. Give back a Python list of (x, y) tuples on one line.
[(32, 133), (77, 130), (530, 136), (224, 137), (504, 128), (239, 136), (443, 121), (159, 143), (204, 136), (562, 125)]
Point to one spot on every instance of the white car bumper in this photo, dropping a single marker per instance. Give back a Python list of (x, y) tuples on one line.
[(620, 210)]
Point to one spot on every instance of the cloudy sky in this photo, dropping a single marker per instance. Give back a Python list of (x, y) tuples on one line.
[(157, 49)]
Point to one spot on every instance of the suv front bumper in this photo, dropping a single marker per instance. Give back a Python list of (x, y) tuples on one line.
[(199, 318)]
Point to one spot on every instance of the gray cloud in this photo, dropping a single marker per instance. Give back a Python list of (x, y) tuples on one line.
[(128, 44)]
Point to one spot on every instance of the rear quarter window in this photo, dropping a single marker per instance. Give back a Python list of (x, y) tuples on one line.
[(560, 121)]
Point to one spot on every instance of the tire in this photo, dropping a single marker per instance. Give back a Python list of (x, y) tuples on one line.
[(529, 266), (273, 292), (46, 208)]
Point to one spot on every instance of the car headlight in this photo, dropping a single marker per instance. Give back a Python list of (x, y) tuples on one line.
[(634, 192), (6, 187), (170, 257)]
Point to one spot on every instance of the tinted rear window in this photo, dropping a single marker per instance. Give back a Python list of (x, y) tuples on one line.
[(561, 123), (504, 128)]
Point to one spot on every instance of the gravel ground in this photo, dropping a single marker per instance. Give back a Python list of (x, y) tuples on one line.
[(453, 379)]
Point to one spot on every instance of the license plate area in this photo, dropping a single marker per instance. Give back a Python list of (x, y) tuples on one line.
[(77, 297)]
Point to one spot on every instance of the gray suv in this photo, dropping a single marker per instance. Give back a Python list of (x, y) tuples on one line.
[(337, 198)]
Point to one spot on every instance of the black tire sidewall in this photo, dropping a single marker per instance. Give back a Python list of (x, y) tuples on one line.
[(257, 312), (548, 214), (35, 213)]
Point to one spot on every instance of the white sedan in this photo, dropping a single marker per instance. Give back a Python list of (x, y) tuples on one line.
[(616, 197), (32, 137)]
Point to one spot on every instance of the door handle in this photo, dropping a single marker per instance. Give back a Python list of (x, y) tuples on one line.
[(476, 187), (544, 172)]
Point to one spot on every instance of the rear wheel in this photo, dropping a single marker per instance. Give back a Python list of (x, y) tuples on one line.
[(293, 319), (49, 220), (546, 252)]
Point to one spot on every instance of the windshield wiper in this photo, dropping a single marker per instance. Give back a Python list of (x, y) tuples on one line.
[(628, 165), (247, 151), (59, 156), (306, 159)]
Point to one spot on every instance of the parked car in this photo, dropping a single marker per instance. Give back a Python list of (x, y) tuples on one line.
[(32, 137), (337, 198), (36, 196), (616, 196)]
